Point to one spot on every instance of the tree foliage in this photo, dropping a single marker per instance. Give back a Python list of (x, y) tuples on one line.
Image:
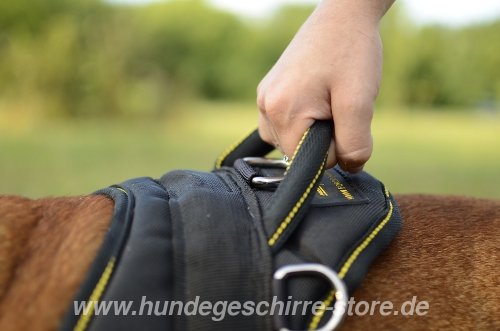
[(88, 57)]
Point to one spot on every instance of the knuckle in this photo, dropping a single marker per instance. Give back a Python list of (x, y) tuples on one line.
[(353, 103), (276, 101), (260, 87), (261, 102), (273, 104)]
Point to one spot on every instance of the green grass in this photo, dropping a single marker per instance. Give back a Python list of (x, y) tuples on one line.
[(450, 153), (427, 152)]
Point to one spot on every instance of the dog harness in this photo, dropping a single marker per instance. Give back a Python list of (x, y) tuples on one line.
[(252, 230)]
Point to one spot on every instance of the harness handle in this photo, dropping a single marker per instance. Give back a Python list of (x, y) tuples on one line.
[(293, 196)]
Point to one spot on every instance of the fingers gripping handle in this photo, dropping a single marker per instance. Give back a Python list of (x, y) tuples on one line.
[(293, 196)]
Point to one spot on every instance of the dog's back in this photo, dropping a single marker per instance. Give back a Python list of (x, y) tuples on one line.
[(446, 255)]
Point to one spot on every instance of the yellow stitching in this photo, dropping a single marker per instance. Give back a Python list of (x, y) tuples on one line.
[(120, 189), (229, 150), (84, 319), (297, 149), (321, 311), (295, 208), (347, 265)]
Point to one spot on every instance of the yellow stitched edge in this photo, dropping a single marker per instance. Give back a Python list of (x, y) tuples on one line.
[(297, 149), (347, 265), (230, 149), (120, 189), (284, 224), (84, 319)]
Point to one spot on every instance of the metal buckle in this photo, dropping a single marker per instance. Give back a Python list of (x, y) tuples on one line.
[(266, 182), (263, 162), (341, 295)]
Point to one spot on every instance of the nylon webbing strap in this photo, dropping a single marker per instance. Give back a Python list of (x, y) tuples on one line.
[(293, 196), (251, 145)]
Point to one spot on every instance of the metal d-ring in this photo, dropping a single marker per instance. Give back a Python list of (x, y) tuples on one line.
[(263, 162), (266, 182), (338, 285)]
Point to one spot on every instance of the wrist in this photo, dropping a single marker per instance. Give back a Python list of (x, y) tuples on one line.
[(367, 13)]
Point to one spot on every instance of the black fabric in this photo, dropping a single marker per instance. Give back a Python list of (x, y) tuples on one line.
[(195, 234), (296, 189), (329, 234), (246, 171), (145, 267), (218, 246), (252, 145)]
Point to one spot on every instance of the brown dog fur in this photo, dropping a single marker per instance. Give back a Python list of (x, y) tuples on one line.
[(46, 246), (446, 254)]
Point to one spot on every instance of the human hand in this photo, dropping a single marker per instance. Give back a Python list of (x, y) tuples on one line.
[(330, 70)]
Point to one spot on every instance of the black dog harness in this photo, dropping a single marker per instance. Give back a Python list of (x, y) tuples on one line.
[(250, 230)]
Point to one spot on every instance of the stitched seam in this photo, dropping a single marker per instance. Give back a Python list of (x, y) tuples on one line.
[(347, 265), (297, 149), (229, 150), (84, 319), (288, 219)]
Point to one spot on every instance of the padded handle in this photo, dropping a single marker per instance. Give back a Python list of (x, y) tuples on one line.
[(293, 196)]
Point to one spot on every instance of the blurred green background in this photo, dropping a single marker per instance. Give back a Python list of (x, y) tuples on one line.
[(93, 93)]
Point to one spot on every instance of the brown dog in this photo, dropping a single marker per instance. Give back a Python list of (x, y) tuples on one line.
[(446, 255)]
